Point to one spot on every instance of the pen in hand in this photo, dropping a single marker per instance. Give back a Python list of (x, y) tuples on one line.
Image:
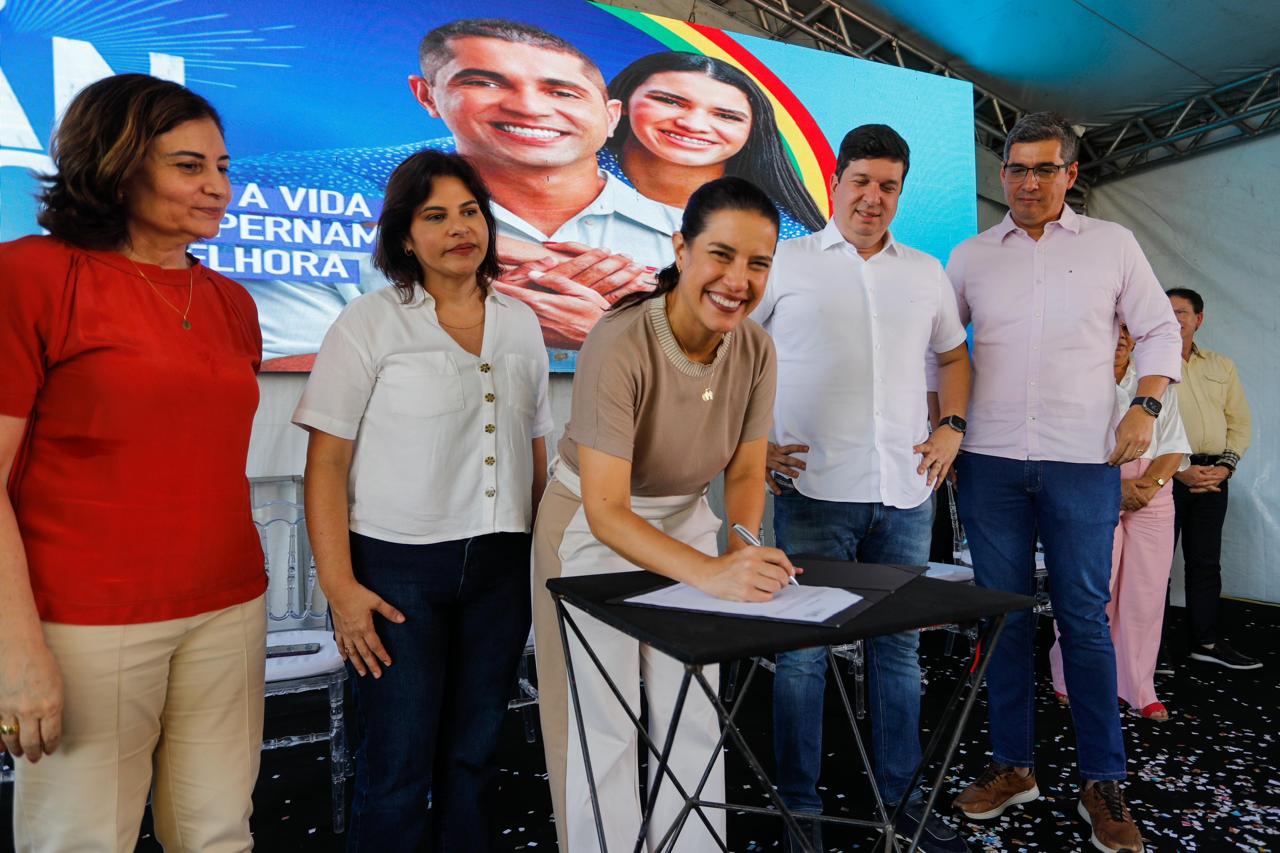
[(750, 539)]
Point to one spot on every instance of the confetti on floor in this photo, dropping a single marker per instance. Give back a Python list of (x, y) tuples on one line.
[(1208, 780)]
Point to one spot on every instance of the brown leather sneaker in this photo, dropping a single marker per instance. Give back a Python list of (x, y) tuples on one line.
[(995, 790), (1114, 829)]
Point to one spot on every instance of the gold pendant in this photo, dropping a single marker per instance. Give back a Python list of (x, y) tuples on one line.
[(708, 395), (186, 324)]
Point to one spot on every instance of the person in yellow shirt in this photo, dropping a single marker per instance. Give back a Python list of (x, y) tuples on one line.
[(1216, 417)]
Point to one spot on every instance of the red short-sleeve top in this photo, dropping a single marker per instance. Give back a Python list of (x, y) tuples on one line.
[(129, 485)]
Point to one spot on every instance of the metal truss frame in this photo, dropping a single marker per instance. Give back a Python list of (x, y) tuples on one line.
[(1244, 109), (833, 27)]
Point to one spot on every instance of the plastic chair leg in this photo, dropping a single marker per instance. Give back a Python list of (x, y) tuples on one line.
[(337, 753)]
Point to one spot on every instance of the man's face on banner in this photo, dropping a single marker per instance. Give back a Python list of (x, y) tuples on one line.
[(519, 105)]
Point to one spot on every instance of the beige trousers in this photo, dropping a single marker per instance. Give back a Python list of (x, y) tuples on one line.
[(564, 546), (174, 708)]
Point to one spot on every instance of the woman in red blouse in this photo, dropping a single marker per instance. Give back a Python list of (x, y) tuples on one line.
[(131, 579)]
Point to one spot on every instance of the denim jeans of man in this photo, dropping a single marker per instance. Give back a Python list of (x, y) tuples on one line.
[(1003, 503), (430, 724), (868, 533)]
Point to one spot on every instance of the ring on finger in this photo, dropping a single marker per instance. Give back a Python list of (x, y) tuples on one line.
[(9, 729)]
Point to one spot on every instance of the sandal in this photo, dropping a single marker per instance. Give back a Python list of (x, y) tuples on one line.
[(1155, 711)]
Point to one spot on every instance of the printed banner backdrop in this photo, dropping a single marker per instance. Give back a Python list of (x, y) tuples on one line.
[(591, 124)]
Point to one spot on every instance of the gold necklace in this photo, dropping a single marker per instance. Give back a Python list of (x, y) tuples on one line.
[(186, 324), (459, 328), (708, 395)]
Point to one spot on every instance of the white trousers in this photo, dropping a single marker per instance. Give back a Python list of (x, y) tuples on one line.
[(611, 737)]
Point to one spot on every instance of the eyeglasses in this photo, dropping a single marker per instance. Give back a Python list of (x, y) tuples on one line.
[(1017, 173)]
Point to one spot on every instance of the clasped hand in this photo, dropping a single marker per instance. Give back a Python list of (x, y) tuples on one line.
[(568, 285), (1200, 479), (1136, 494)]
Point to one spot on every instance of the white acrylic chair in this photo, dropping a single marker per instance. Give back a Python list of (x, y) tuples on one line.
[(301, 653), (298, 662), (526, 692)]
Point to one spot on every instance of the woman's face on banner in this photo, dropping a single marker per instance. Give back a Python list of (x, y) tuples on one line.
[(687, 118)]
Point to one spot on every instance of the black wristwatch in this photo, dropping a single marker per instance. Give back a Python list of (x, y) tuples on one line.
[(1150, 405), (956, 422)]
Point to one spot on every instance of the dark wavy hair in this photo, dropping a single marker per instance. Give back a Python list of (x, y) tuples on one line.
[(763, 159), (100, 143), (727, 193), (407, 188)]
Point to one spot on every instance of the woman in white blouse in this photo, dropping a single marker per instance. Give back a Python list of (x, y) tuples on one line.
[(1143, 549), (427, 409)]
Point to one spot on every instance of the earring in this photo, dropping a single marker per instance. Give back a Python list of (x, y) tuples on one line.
[(408, 251)]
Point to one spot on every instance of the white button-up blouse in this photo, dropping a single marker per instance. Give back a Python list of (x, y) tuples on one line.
[(443, 438)]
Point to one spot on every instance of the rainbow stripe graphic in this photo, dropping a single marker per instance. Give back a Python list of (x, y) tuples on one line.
[(810, 153)]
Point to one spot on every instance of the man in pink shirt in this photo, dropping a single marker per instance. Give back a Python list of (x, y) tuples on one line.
[(1046, 291)]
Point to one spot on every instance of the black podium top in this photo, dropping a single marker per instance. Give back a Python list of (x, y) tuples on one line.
[(701, 638)]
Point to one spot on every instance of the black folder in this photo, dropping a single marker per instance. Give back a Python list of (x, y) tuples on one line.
[(874, 582)]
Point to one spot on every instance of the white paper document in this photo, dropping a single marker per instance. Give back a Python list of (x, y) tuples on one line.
[(948, 572), (791, 603)]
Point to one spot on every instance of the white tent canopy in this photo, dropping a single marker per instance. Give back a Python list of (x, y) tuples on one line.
[(1094, 61)]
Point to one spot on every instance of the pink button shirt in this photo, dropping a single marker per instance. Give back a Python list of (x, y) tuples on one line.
[(1046, 315)]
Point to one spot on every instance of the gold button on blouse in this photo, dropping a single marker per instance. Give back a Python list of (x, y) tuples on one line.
[(489, 460), (489, 428), (484, 367), (490, 397)]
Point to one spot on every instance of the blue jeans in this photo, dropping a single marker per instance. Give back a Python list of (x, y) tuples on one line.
[(1075, 508), (868, 533), (430, 723)]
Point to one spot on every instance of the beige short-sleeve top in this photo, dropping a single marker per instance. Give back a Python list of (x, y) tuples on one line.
[(636, 396)]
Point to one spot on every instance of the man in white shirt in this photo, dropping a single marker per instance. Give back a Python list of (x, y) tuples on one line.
[(852, 313)]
